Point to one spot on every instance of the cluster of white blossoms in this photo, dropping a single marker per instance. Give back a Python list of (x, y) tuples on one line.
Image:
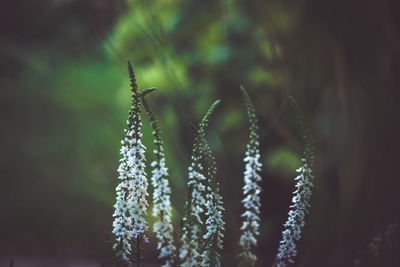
[(197, 182), (189, 251), (251, 188), (251, 201), (162, 191), (215, 227), (296, 219), (197, 206), (162, 208), (131, 203)]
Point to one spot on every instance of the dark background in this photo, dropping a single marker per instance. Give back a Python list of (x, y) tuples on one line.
[(65, 98)]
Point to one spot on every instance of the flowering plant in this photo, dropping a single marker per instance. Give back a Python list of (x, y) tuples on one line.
[(161, 196), (131, 204), (251, 188), (202, 201), (203, 226), (301, 199)]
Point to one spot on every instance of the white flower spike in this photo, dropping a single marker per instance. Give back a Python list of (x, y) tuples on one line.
[(296, 219), (251, 188), (193, 222), (162, 209), (301, 199), (215, 225), (129, 224)]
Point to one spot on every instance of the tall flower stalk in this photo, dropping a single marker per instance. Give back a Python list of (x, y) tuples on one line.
[(251, 188), (131, 204), (193, 222), (215, 225), (162, 209), (301, 199)]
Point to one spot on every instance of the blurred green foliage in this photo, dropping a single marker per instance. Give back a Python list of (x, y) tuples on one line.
[(284, 160)]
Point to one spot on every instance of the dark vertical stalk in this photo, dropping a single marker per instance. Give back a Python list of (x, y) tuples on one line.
[(138, 260)]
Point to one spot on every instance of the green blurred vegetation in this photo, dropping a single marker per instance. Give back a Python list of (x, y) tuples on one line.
[(65, 99)]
